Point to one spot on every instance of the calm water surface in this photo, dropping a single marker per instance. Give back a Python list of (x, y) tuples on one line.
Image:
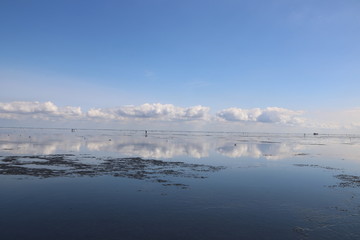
[(107, 184)]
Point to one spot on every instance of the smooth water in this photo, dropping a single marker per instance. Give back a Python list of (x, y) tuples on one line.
[(108, 184)]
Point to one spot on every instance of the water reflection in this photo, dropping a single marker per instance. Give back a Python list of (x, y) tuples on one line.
[(146, 148), (167, 146), (158, 148), (86, 177), (270, 151)]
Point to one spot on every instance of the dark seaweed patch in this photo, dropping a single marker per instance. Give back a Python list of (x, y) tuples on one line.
[(317, 166), (348, 180), (68, 165), (301, 231), (301, 154)]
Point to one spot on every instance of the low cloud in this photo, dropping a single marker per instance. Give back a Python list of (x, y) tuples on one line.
[(155, 111), (195, 117), (267, 115), (37, 110), (48, 111)]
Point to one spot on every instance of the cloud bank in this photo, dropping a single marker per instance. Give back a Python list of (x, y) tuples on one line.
[(157, 111), (267, 115), (168, 116), (38, 110), (49, 111)]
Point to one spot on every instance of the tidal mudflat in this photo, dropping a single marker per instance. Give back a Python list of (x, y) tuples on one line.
[(109, 184)]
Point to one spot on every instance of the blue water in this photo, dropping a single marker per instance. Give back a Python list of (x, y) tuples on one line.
[(58, 184)]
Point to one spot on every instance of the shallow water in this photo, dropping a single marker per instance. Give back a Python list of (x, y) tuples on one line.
[(108, 184)]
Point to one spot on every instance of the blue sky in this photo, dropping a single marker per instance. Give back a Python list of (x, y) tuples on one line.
[(295, 55)]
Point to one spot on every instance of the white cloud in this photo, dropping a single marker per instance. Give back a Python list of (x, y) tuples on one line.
[(28, 107), (238, 114), (267, 115), (101, 114), (168, 116), (48, 110), (154, 111), (37, 110)]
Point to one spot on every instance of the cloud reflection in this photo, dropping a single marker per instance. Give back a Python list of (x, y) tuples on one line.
[(155, 147), (270, 151)]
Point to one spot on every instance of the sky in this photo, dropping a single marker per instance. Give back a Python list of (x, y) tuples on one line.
[(251, 65)]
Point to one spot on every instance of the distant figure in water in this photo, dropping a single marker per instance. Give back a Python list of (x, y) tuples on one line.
[(146, 133)]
